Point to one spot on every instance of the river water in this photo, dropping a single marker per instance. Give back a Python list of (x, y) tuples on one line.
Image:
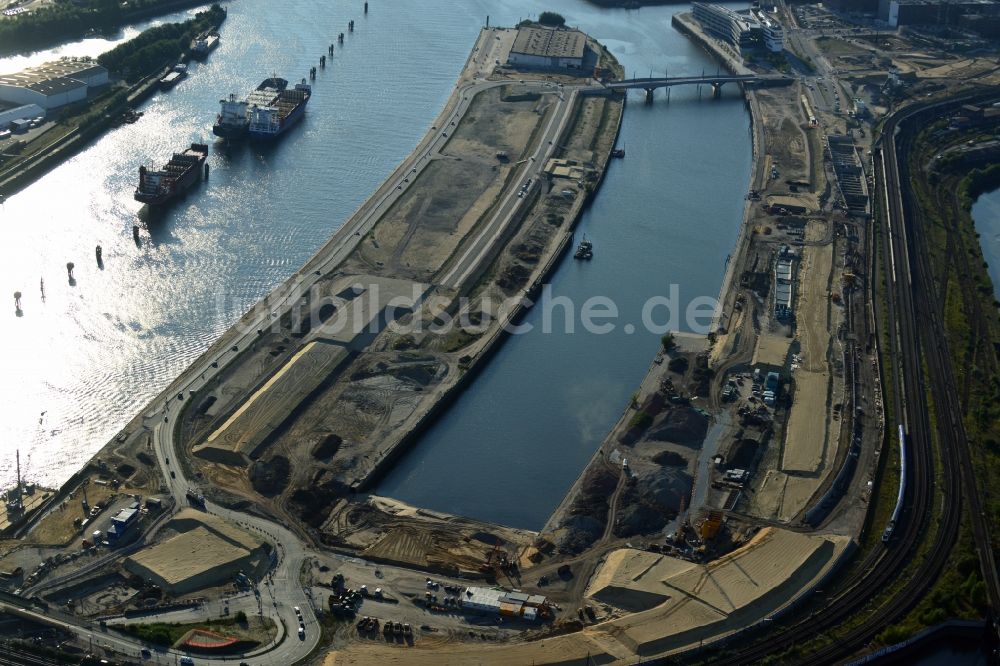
[(80, 364), (986, 214), (668, 214)]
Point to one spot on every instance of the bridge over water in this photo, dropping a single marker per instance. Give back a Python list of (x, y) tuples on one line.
[(649, 84)]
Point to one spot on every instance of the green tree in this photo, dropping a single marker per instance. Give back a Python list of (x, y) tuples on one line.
[(552, 19)]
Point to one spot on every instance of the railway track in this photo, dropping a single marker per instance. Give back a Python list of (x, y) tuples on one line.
[(916, 333)]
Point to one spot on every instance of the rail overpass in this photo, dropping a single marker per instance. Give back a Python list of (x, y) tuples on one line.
[(649, 84)]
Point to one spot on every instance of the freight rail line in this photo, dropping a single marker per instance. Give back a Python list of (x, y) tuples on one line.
[(916, 322), (951, 426)]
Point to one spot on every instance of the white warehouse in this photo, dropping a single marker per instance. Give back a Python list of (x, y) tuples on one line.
[(548, 48), (53, 84)]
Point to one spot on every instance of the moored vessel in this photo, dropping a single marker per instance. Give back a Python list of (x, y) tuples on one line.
[(157, 187), (271, 120), (233, 120), (204, 44), (173, 77)]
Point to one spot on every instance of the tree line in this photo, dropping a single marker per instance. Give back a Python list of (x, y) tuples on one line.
[(66, 19), (157, 47)]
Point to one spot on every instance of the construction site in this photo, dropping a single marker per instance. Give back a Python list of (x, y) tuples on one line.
[(735, 484)]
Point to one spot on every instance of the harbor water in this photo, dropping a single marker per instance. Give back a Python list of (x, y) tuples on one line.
[(986, 214), (80, 364)]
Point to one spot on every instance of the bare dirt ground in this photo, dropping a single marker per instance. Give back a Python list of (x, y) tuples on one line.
[(425, 226), (805, 442)]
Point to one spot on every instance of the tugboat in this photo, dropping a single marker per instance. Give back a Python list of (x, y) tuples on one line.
[(585, 250), (157, 187)]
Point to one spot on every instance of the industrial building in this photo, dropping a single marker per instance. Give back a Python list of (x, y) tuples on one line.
[(206, 551), (783, 283), (124, 520), (537, 47), (933, 12), (10, 113), (741, 30), (53, 84), (495, 601)]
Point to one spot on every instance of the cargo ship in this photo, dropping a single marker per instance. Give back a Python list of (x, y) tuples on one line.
[(233, 120), (287, 108), (203, 45), (180, 173)]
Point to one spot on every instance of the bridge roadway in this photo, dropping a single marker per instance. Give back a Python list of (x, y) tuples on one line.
[(716, 81)]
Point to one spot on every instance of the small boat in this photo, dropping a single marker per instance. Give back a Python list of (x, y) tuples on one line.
[(131, 116), (585, 250), (618, 152)]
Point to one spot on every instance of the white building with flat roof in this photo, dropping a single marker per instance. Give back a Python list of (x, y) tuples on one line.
[(548, 48), (742, 30), (53, 84)]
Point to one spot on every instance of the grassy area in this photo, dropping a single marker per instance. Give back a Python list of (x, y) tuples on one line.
[(253, 628), (833, 46)]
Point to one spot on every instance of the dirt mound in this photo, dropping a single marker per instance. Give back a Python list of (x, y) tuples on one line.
[(580, 533), (314, 502), (670, 459), (513, 278), (641, 518), (664, 488), (683, 425), (270, 477), (742, 453)]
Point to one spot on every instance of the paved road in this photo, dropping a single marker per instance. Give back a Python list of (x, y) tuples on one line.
[(485, 240)]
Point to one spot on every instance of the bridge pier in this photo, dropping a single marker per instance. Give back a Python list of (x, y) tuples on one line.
[(649, 95), (716, 89)]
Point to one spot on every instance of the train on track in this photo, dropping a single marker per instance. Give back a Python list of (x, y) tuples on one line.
[(896, 512)]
